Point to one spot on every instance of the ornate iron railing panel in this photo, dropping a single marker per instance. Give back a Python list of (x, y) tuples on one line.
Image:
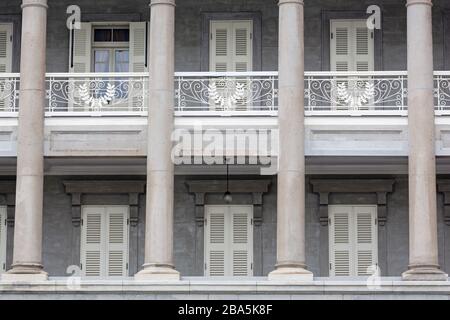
[(232, 92), (117, 92), (9, 92), (344, 93)]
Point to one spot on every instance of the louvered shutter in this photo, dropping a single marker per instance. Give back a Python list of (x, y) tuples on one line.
[(242, 33), (80, 49), (353, 240), (138, 46), (117, 241), (5, 48), (340, 241), (363, 47), (366, 239), (352, 46), (242, 241), (3, 229), (221, 47), (92, 241), (138, 63), (228, 241), (5, 62), (216, 241), (341, 50)]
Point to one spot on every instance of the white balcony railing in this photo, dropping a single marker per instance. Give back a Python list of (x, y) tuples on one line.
[(360, 93), (97, 93), (229, 94), (9, 92)]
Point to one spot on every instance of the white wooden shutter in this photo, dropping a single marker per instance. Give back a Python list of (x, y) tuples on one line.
[(117, 241), (92, 240), (231, 47), (241, 241), (242, 40), (139, 44), (216, 240), (229, 241), (352, 46), (364, 46), (3, 228), (5, 62), (366, 253), (80, 49), (353, 240), (221, 46), (138, 47), (104, 241), (340, 240), (5, 48)]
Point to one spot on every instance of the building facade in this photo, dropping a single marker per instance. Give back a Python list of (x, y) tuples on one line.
[(225, 148)]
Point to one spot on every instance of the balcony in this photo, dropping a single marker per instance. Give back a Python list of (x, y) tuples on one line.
[(225, 94)]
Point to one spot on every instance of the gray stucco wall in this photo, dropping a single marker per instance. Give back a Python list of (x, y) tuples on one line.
[(189, 28), (61, 238)]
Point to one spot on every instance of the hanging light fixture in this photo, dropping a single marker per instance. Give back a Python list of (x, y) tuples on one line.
[(227, 196)]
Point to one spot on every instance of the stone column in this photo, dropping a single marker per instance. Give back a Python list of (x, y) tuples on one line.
[(291, 175), (160, 168), (423, 242), (27, 258)]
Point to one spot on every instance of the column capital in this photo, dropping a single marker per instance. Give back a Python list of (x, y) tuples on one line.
[(34, 3), (300, 2), (166, 2), (423, 2)]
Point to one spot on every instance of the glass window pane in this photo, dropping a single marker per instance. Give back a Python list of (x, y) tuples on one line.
[(101, 61), (122, 35), (102, 35), (122, 58)]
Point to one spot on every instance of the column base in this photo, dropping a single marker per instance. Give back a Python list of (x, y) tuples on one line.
[(157, 273), (291, 274), (25, 273), (424, 274)]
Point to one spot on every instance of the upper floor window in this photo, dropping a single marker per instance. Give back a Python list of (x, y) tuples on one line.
[(352, 46), (120, 47), (231, 46), (5, 47), (111, 49)]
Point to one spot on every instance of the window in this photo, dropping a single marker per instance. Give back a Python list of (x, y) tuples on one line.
[(352, 46), (5, 64), (229, 241), (231, 46), (111, 49), (104, 241), (104, 48), (3, 228), (353, 240)]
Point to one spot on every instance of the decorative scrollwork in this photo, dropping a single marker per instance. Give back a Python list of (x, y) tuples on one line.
[(354, 93), (114, 94)]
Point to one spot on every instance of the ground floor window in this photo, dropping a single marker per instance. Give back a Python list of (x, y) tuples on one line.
[(353, 240), (104, 241), (3, 227), (228, 241)]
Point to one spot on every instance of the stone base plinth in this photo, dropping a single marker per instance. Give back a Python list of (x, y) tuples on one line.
[(424, 274), (291, 275), (157, 274)]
